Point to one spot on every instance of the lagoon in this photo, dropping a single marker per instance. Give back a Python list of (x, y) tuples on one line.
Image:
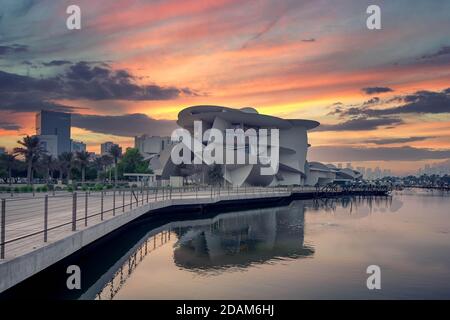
[(305, 249)]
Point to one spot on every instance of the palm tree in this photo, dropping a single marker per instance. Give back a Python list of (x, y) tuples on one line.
[(82, 159), (107, 162), (66, 163), (115, 152), (48, 162), (31, 150), (99, 165), (9, 161), (59, 165)]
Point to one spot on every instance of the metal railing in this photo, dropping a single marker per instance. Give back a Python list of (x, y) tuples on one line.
[(30, 221)]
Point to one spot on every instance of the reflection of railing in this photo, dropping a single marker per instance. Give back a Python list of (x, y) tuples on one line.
[(352, 203), (124, 272)]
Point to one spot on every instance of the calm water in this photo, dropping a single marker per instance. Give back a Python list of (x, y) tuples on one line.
[(303, 250)]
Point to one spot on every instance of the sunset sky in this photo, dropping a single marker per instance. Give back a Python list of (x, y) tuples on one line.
[(382, 96)]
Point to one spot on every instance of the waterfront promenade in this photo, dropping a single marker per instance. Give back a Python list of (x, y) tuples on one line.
[(37, 231)]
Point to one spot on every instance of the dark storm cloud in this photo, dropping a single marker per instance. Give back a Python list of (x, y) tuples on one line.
[(56, 63), (128, 125), (372, 101), (12, 49), (102, 83), (9, 126), (360, 124), (396, 140), (441, 52), (32, 102), (420, 102), (82, 80), (344, 153), (376, 90)]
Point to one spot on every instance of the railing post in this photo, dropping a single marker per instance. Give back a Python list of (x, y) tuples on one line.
[(101, 206), (131, 198), (86, 208), (147, 193), (123, 200), (74, 211), (114, 201), (45, 217), (2, 227)]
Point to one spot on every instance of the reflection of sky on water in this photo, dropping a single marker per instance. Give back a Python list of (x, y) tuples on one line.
[(309, 249)]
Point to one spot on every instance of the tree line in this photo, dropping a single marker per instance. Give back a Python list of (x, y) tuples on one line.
[(30, 160)]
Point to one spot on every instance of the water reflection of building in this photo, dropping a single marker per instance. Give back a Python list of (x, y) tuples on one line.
[(242, 239)]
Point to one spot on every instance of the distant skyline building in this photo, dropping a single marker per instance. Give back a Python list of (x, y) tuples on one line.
[(77, 146), (53, 129), (105, 147), (50, 144), (440, 169), (2, 150)]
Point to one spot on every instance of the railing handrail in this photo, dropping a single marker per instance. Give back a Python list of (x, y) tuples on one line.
[(134, 199)]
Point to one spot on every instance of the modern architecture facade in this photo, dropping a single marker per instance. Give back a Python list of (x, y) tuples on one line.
[(50, 144), (57, 125), (149, 146), (293, 144)]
